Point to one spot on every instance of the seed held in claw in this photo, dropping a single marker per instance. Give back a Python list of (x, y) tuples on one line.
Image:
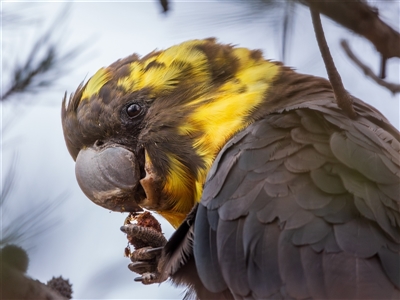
[(145, 220)]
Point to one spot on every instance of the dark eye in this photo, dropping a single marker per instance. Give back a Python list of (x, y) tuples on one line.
[(134, 110)]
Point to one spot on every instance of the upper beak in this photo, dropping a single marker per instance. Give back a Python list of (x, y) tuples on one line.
[(110, 176)]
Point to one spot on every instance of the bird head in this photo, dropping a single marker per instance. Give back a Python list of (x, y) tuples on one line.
[(145, 131)]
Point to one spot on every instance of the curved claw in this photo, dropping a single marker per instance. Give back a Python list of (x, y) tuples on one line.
[(124, 228), (149, 278), (157, 250), (145, 254), (141, 267), (140, 264)]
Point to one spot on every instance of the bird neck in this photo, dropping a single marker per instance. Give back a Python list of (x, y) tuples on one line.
[(212, 120)]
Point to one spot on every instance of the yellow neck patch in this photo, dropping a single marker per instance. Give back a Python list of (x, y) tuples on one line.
[(215, 118)]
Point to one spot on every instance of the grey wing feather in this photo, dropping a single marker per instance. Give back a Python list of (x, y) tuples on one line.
[(304, 204), (206, 254)]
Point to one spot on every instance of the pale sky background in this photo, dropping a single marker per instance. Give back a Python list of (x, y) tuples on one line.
[(83, 242)]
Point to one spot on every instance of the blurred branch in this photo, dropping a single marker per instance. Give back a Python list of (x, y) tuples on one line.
[(164, 5), (10, 19), (364, 20), (287, 27), (356, 15), (394, 88)]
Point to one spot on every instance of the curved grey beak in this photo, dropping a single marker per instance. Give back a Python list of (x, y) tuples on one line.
[(110, 177)]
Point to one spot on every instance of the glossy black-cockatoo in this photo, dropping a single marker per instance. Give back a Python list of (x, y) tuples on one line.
[(275, 192)]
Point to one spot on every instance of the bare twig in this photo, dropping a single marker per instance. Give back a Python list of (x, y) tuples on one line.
[(382, 73), (287, 27), (364, 20), (164, 5), (343, 98), (394, 88)]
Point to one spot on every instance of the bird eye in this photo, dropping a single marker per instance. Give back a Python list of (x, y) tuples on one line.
[(134, 110)]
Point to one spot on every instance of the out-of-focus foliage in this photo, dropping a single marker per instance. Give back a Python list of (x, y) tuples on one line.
[(23, 220), (45, 63), (39, 70)]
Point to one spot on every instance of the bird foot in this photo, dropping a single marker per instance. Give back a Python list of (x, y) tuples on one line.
[(149, 244), (145, 262)]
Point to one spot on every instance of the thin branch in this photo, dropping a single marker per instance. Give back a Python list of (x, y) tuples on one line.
[(287, 29), (382, 73), (343, 98), (362, 19), (394, 88), (165, 5)]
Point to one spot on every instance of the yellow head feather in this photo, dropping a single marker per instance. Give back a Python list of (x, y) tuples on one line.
[(95, 83)]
